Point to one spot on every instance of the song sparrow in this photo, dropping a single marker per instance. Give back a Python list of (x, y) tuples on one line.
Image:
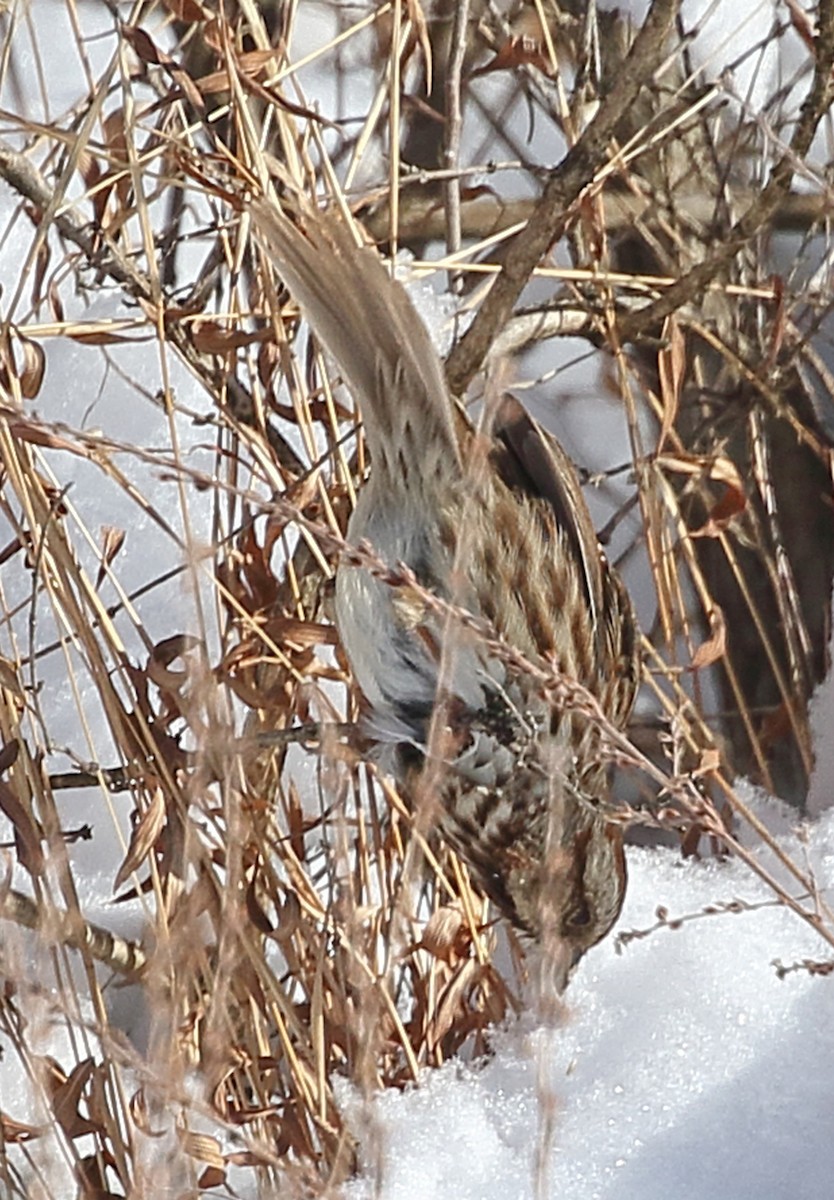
[(499, 526)]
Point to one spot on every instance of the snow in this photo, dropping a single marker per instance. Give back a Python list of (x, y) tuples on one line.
[(684, 1066)]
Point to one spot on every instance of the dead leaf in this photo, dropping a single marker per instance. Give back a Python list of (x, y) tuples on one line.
[(446, 935), (27, 836), (112, 540), (142, 44), (450, 1002), (8, 755), (9, 678), (720, 470), (34, 368), (163, 654), (671, 363), (733, 502), (186, 10), (800, 22), (100, 337), (517, 52), (716, 646), (144, 836), (17, 1131), (250, 65), (202, 1146), (212, 1177), (210, 337), (66, 1094)]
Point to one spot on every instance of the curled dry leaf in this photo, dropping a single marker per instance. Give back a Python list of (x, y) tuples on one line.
[(211, 1178), (29, 374), (186, 10), (149, 53), (146, 831), (9, 679), (8, 755), (112, 540), (451, 1002), (34, 368), (251, 65), (13, 1131), (118, 177), (446, 935), (255, 912), (100, 337), (517, 52), (201, 1146), (66, 1092), (163, 654), (289, 919), (719, 470), (671, 363), (716, 645), (27, 836), (141, 1117), (210, 337)]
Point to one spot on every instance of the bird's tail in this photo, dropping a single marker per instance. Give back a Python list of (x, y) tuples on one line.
[(367, 322)]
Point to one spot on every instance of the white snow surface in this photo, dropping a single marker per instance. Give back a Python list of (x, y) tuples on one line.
[(684, 1068)]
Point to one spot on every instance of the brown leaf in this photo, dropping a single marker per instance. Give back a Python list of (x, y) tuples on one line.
[(140, 1116), (143, 45), (710, 762), (716, 646), (720, 470), (34, 368), (186, 10), (66, 1093), (210, 337), (148, 52), (203, 1147), (16, 1131), (163, 654), (800, 22), (671, 363), (254, 911), (56, 306), (212, 1177), (517, 52), (144, 836), (446, 934), (27, 837), (99, 337), (112, 540), (733, 502), (8, 755), (450, 1003), (250, 65)]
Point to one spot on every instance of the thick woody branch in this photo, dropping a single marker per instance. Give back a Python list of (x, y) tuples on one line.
[(422, 218), (63, 928), (763, 208), (553, 211)]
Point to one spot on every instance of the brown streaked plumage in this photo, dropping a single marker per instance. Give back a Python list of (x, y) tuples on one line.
[(500, 528)]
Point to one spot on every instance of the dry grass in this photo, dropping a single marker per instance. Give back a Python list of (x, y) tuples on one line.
[(292, 920)]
